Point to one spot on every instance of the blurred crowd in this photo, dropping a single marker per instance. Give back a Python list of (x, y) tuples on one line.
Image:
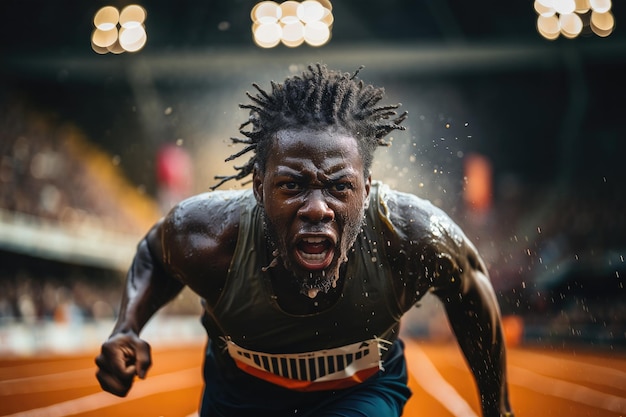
[(65, 294), (51, 175), (37, 290), (50, 171)]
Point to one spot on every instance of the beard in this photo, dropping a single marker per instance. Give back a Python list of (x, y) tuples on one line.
[(310, 283)]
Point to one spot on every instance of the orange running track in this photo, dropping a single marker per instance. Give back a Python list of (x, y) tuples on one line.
[(543, 383)]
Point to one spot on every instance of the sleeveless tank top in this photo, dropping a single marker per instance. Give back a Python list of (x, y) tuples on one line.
[(333, 349)]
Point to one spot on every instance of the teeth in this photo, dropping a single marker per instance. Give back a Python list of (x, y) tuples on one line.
[(314, 256), (314, 239)]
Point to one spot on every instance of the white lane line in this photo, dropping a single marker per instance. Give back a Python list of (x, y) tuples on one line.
[(31, 368), (152, 385), (570, 391), (596, 374), (427, 376), (566, 390), (50, 382)]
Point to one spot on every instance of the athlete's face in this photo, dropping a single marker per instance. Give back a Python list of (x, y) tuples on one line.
[(314, 193)]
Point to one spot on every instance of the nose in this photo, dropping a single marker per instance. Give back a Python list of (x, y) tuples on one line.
[(315, 209)]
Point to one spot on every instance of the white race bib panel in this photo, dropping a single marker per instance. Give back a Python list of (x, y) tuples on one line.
[(336, 368)]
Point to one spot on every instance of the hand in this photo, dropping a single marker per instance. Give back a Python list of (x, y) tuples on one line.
[(122, 357)]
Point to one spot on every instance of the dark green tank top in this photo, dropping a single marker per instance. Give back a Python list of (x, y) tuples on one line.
[(248, 315)]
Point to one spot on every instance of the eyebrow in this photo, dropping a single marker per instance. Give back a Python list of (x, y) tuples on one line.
[(288, 172), (337, 176), (343, 172)]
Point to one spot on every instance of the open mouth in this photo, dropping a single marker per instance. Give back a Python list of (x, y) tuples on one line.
[(315, 253)]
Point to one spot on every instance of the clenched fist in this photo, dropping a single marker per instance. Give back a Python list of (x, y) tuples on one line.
[(122, 357)]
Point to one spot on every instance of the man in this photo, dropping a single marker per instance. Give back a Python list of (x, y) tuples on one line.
[(304, 278)]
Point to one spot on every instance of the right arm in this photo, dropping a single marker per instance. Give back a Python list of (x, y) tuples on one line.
[(148, 288), (192, 246)]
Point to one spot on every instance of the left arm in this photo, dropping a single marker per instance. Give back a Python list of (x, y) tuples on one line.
[(437, 252), (474, 316)]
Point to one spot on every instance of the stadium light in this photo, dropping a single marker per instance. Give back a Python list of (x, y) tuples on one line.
[(292, 23), (571, 18), (117, 32)]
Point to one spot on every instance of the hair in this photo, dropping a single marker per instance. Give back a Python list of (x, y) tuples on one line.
[(318, 98)]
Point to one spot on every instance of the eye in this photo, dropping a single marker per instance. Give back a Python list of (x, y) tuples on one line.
[(291, 186), (341, 186)]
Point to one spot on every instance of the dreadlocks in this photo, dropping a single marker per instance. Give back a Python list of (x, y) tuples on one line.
[(318, 98)]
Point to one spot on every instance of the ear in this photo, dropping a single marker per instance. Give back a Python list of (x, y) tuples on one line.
[(257, 186), (366, 197)]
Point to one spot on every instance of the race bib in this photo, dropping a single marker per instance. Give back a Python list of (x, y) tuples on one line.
[(327, 369)]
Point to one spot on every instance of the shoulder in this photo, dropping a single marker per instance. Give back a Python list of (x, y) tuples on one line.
[(199, 235), (414, 218), (214, 214), (420, 230)]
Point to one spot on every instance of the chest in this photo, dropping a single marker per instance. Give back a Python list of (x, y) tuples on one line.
[(362, 307)]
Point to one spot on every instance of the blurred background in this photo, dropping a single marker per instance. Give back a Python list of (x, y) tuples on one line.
[(515, 129)]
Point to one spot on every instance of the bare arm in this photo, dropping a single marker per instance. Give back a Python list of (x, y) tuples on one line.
[(192, 246), (148, 287), (474, 316), (435, 251)]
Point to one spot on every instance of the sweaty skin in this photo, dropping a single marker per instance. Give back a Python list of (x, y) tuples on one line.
[(313, 191)]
